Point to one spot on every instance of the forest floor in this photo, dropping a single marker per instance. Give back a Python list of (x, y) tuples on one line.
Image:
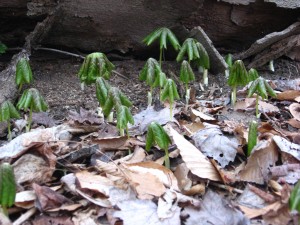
[(236, 189)]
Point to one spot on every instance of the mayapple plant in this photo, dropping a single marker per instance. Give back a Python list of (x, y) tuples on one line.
[(262, 88), (163, 34), (203, 62), (23, 73), (153, 76), (252, 137), (116, 99), (294, 200), (170, 93), (186, 76), (95, 65), (33, 101), (252, 74), (7, 112), (157, 135), (238, 76), (189, 48), (7, 186), (102, 89)]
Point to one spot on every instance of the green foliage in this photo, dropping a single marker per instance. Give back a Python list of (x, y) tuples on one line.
[(262, 88), (7, 112), (163, 34), (228, 60), (7, 186), (170, 93), (23, 72), (102, 89), (3, 48), (238, 75), (189, 48), (294, 201), (186, 72), (95, 65), (32, 100), (252, 74), (152, 74), (252, 137), (157, 135), (203, 60), (124, 117)]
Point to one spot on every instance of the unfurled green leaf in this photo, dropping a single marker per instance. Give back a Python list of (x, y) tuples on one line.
[(95, 65), (32, 99), (252, 137), (8, 111), (294, 201), (186, 72), (238, 75), (252, 74), (102, 89), (23, 72), (190, 49), (7, 185), (163, 34)]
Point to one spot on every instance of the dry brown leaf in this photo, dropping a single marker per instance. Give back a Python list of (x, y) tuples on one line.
[(197, 163), (53, 220), (288, 95), (294, 123), (267, 107), (85, 116), (295, 110), (25, 199), (191, 128), (110, 142), (287, 147), (263, 156), (202, 115)]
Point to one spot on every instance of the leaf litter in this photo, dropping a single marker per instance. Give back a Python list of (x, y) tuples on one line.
[(82, 172)]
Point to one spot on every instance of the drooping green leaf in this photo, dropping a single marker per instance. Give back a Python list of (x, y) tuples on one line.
[(102, 89), (163, 34), (203, 59), (294, 200), (23, 72), (3, 48), (253, 88), (95, 65), (261, 87), (170, 91), (8, 111), (123, 117), (7, 185), (252, 74), (32, 99), (238, 75), (252, 137), (186, 72), (157, 135), (190, 49), (150, 72)]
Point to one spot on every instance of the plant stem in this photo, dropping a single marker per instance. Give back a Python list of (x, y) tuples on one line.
[(20, 88), (233, 96), (121, 132), (9, 130), (82, 86), (187, 95), (205, 77), (256, 106), (160, 57), (167, 159), (29, 119), (4, 210), (127, 131), (150, 97), (110, 117)]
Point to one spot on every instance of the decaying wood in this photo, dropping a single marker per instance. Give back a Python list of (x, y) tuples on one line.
[(217, 63), (268, 40)]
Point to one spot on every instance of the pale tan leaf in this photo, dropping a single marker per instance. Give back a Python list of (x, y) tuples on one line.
[(202, 115), (295, 110), (197, 163), (288, 95)]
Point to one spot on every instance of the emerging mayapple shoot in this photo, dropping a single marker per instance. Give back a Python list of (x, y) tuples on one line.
[(294, 201), (252, 74), (7, 187), (33, 101), (163, 34), (189, 48), (238, 76), (157, 135), (23, 73), (95, 65), (262, 88), (7, 112), (203, 62), (170, 93), (252, 137), (116, 99), (186, 76), (102, 89), (153, 75)]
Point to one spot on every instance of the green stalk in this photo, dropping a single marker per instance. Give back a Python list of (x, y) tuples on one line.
[(110, 117), (233, 96), (256, 106), (29, 119), (150, 96), (127, 131), (187, 95), (160, 57), (9, 130), (20, 88), (4, 209), (121, 132), (167, 159)]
